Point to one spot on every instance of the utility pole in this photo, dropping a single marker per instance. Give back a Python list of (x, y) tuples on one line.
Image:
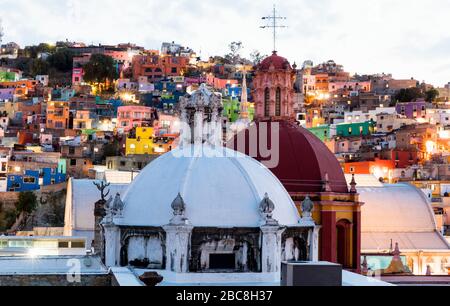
[(274, 24)]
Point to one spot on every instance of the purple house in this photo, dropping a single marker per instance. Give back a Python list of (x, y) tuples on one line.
[(6, 94), (412, 110)]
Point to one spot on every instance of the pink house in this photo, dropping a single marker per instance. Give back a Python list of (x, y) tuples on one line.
[(78, 72), (77, 76), (129, 117)]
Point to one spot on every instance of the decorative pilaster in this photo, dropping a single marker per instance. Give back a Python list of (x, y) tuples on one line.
[(112, 244), (271, 248), (178, 239)]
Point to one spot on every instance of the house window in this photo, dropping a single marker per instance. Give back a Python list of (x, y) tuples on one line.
[(63, 244), (73, 162), (29, 180)]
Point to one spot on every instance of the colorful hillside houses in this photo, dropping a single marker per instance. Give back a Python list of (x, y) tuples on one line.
[(355, 129), (323, 132), (232, 107), (32, 180)]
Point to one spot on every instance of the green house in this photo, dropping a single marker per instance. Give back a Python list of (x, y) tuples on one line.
[(7, 76), (355, 129), (232, 108), (322, 132)]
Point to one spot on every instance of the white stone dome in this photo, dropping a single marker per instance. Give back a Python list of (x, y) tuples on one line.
[(218, 191)]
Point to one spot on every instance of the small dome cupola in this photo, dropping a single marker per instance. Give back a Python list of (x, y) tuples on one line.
[(201, 121)]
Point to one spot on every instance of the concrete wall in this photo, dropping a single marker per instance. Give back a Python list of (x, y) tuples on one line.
[(55, 280)]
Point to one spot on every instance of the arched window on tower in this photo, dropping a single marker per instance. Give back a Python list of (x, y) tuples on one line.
[(267, 103), (278, 103)]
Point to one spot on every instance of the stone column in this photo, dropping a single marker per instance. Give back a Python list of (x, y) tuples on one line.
[(112, 245), (271, 248), (314, 247), (178, 240)]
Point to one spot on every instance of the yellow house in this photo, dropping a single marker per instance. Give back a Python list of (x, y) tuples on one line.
[(142, 143), (145, 142)]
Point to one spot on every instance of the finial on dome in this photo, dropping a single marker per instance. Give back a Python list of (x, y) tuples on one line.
[(117, 205), (353, 185), (267, 208), (365, 266), (179, 209), (307, 208), (178, 206), (396, 266)]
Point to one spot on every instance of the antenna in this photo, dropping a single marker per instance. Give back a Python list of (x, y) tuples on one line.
[(274, 25)]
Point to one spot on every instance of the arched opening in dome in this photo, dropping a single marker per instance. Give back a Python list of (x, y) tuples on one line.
[(267, 103), (278, 103)]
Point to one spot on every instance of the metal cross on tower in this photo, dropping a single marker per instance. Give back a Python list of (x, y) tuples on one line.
[(274, 25)]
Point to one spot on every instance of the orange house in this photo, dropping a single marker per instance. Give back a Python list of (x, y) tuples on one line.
[(379, 168), (57, 115), (322, 82), (218, 83), (155, 67), (29, 84)]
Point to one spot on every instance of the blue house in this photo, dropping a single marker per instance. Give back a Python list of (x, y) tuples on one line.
[(32, 180), (24, 182)]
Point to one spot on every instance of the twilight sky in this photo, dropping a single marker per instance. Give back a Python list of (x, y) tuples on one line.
[(408, 38)]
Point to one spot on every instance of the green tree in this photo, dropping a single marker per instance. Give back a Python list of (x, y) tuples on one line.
[(62, 60), (431, 95), (409, 94), (100, 69), (27, 202), (257, 57), (234, 56), (33, 51), (38, 67), (111, 149)]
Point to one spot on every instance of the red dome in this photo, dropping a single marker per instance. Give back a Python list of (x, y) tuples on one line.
[(278, 62), (304, 159)]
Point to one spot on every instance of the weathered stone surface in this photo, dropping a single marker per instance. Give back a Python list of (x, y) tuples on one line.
[(55, 280)]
